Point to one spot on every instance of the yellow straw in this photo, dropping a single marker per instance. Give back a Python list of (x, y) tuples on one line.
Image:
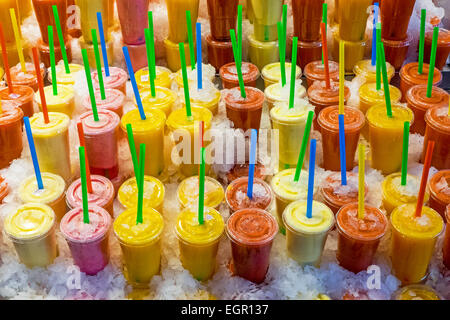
[(341, 77), (361, 156), (15, 26)]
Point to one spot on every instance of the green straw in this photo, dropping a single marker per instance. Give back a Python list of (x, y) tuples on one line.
[(282, 49), (432, 61), (284, 17), (378, 66), (293, 72), (151, 65), (83, 184), (152, 44), (98, 63), (87, 70), (238, 64), (239, 32), (61, 38), (190, 38), (405, 152), (324, 20), (387, 94), (141, 183), (52, 60), (423, 16), (201, 188), (301, 156), (187, 99), (132, 146)]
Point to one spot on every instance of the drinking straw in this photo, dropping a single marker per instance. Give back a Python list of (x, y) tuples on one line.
[(423, 181), (5, 59), (238, 63), (83, 144), (361, 186), (325, 21), (405, 152), (432, 61), (301, 155), (201, 188), (239, 32), (12, 13), (98, 64), (40, 81), (103, 43), (199, 56), (423, 16), (151, 77), (293, 72), (341, 76), (251, 168), (187, 99), (387, 94), (342, 150), (282, 49), (52, 60), (61, 39), (378, 63), (37, 170), (82, 156), (284, 17), (190, 38), (152, 65), (312, 164), (141, 183), (325, 55), (87, 70), (374, 34), (132, 146), (133, 83)]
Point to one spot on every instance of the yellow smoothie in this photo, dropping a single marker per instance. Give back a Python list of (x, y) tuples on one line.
[(370, 96), (163, 78), (63, 102), (164, 99), (173, 53), (153, 193), (188, 194), (368, 72), (199, 243), (208, 97), (208, 74), (277, 93), (271, 73), (262, 53), (66, 78), (176, 12)]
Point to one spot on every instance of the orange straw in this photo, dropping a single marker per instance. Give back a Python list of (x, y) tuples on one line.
[(5, 59), (325, 54), (40, 85), (83, 144), (423, 182)]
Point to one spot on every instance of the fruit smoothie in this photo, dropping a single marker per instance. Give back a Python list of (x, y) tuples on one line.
[(244, 113), (53, 194), (370, 96), (176, 11), (266, 15), (308, 52), (63, 102), (149, 132), (102, 194), (251, 232), (222, 17), (307, 18), (44, 15), (153, 193), (358, 239), (354, 51), (65, 78), (22, 95), (173, 56), (102, 142), (5, 18), (31, 228), (241, 170), (438, 130), (188, 192), (306, 237), (386, 136), (419, 103), (290, 123), (199, 243), (275, 93), (353, 19), (164, 99), (220, 53), (446, 246), (394, 194), (315, 71), (443, 47), (208, 75), (439, 186), (52, 143), (417, 292), (365, 70), (208, 97), (409, 77), (396, 51), (237, 198), (4, 189), (117, 79), (229, 76), (88, 242), (181, 127), (114, 101), (133, 20), (286, 191), (262, 53), (28, 78), (395, 15), (88, 17), (328, 121), (271, 73), (413, 241), (10, 132), (163, 78), (140, 243)]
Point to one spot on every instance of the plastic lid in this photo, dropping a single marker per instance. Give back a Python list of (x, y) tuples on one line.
[(163, 97), (116, 77), (107, 121), (438, 118), (276, 92), (188, 192), (294, 218), (439, 185), (65, 78), (250, 72), (417, 96), (370, 94), (59, 122), (333, 190), (54, 187), (114, 99), (11, 112), (101, 195), (316, 70), (329, 118), (155, 120), (393, 189), (282, 113), (21, 94), (236, 194), (254, 100), (377, 116), (410, 73), (272, 71), (179, 120), (65, 94), (153, 192), (284, 186), (163, 77), (319, 94)]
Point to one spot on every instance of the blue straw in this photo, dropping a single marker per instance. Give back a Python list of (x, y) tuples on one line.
[(133, 83), (342, 150), (199, 56), (312, 165), (37, 171), (103, 43), (374, 37), (251, 169)]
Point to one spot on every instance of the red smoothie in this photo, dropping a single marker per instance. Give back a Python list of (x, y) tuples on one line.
[(244, 113)]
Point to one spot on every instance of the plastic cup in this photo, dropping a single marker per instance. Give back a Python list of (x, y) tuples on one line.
[(176, 11), (244, 113), (10, 132), (229, 76), (88, 243), (275, 93), (439, 186), (114, 101), (396, 51), (23, 95), (315, 71), (53, 194), (140, 244), (353, 19), (133, 20), (308, 52), (164, 99), (208, 75), (395, 15), (52, 143), (88, 16), (354, 51), (438, 130), (241, 170), (63, 102), (31, 228), (386, 136), (271, 73), (44, 48), (266, 15), (262, 53), (222, 17), (307, 18), (162, 78), (446, 246), (365, 70), (199, 243), (173, 53), (395, 195), (20, 78), (117, 79), (154, 192), (358, 239), (208, 97), (306, 237), (251, 232), (237, 199), (328, 121), (220, 53), (417, 292), (413, 241), (443, 47), (89, 46), (409, 77), (4, 189), (188, 192), (44, 16), (65, 78)]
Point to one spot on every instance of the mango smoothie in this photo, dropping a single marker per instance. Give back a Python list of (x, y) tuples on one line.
[(140, 243), (306, 237), (365, 70), (417, 292), (164, 99), (52, 195), (271, 73), (208, 97), (153, 193), (262, 53), (413, 241), (176, 12), (199, 243), (386, 136), (63, 102), (163, 78), (31, 228), (66, 78), (188, 192), (277, 93)]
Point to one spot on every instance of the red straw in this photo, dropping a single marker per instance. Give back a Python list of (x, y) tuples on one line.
[(325, 54), (423, 182), (83, 144), (5, 59), (40, 85)]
